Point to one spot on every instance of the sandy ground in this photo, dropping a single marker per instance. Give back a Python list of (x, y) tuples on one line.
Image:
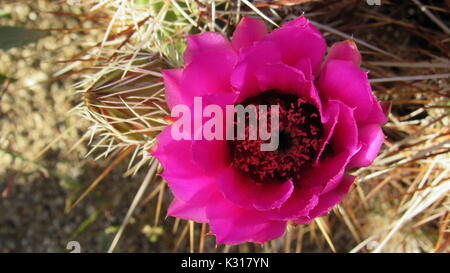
[(34, 112)]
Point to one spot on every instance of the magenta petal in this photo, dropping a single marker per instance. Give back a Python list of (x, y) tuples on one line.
[(371, 137), (345, 134), (247, 32), (288, 80), (205, 43), (278, 192), (243, 78), (345, 144), (187, 211), (345, 51), (208, 74), (210, 60), (344, 140), (212, 155), (328, 200), (334, 168), (337, 168), (301, 202), (305, 66), (281, 77), (235, 188), (303, 220), (327, 174), (378, 114), (207, 186), (172, 81), (246, 193), (297, 40), (329, 118), (184, 177), (343, 81), (300, 22), (234, 225)]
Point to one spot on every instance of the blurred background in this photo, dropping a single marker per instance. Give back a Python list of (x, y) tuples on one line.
[(68, 174)]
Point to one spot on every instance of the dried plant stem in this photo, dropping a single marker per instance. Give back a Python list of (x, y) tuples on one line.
[(102, 175), (191, 236), (432, 17), (358, 41), (201, 244), (411, 65), (412, 78), (323, 229), (148, 178)]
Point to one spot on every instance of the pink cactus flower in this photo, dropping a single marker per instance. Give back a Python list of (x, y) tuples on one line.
[(330, 122)]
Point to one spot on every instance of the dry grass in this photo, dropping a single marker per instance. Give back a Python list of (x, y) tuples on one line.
[(399, 204)]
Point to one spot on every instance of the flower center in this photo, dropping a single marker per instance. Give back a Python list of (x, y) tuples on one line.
[(300, 135)]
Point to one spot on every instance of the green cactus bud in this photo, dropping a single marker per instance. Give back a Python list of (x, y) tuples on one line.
[(129, 100)]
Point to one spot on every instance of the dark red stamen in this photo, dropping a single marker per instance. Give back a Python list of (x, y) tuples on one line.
[(300, 136)]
